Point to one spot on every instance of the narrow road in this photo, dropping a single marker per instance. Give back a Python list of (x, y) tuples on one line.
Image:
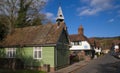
[(104, 64)]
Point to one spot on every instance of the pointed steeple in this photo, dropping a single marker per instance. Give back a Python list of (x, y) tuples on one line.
[(60, 16)]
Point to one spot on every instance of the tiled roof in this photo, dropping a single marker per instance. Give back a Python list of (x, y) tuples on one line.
[(34, 35), (78, 37), (116, 41), (94, 42)]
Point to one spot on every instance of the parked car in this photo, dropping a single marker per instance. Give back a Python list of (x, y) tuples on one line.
[(117, 55), (115, 51)]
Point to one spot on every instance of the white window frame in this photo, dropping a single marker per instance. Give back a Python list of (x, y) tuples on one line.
[(76, 43), (72, 43), (80, 43), (36, 51), (10, 52)]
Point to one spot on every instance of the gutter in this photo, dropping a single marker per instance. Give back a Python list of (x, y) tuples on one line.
[(29, 45)]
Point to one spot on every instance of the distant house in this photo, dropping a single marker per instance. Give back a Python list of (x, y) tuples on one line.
[(96, 45), (38, 46), (105, 45), (80, 42)]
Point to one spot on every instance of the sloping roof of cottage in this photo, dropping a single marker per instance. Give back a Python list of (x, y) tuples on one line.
[(34, 35), (78, 37), (116, 42), (94, 42)]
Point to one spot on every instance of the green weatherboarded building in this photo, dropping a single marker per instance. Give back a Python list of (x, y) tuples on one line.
[(44, 47)]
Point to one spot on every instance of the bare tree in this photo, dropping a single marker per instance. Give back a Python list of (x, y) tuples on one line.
[(21, 13), (29, 12), (8, 12)]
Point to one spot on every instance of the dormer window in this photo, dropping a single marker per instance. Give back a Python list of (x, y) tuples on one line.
[(77, 43)]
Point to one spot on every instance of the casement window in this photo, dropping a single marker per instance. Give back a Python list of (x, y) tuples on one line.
[(78, 43), (72, 43), (37, 52), (10, 52)]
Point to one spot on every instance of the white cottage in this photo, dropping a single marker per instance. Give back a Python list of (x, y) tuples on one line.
[(79, 42)]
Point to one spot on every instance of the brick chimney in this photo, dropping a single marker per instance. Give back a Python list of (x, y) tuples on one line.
[(80, 30)]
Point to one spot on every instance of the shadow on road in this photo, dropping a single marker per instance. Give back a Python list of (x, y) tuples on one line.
[(110, 68)]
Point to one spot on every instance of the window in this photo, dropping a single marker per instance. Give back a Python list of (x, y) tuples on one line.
[(80, 43), (77, 43), (10, 52), (72, 43), (37, 53)]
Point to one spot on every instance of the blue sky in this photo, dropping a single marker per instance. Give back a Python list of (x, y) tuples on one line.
[(100, 18)]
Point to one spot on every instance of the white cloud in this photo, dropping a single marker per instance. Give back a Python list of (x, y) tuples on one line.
[(95, 6), (101, 3), (90, 11), (45, 0), (111, 20), (50, 16)]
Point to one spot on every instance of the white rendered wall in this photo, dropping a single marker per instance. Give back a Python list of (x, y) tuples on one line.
[(83, 46)]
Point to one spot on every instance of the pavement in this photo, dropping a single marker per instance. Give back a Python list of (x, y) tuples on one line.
[(72, 68), (103, 64)]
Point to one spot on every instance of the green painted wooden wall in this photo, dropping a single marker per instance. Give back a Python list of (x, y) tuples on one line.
[(26, 55), (62, 51)]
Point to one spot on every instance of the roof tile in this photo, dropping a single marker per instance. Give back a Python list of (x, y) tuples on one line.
[(33, 35)]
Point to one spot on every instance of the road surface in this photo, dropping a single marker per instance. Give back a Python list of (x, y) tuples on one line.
[(104, 64)]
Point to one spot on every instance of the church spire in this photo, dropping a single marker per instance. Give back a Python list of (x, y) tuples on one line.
[(60, 16)]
